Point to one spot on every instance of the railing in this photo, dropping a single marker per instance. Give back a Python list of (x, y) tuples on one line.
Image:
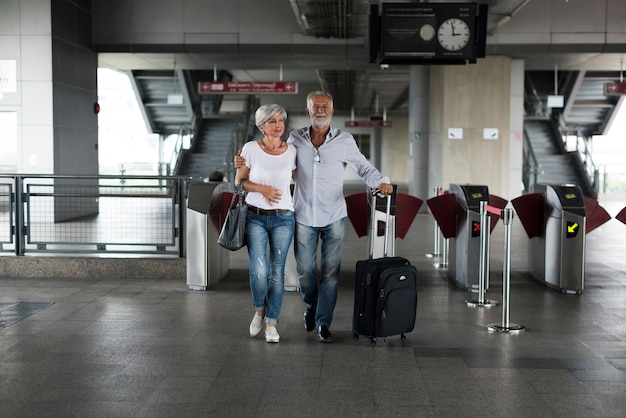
[(184, 132), (531, 168), (93, 214), (575, 141), (241, 134), (233, 148)]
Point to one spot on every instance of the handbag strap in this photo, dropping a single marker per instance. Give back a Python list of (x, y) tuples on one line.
[(239, 192), (239, 187)]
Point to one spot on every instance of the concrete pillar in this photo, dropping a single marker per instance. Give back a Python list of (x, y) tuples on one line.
[(418, 135), (516, 134), (473, 139)]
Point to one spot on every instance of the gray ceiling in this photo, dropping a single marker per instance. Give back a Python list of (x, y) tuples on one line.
[(356, 83)]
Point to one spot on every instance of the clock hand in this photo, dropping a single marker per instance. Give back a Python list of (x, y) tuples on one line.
[(452, 26)]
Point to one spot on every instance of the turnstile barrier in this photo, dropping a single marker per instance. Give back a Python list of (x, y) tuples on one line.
[(207, 262), (557, 218), (458, 215)]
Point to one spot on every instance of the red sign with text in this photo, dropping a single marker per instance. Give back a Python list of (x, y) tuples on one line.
[(247, 87), (614, 88), (374, 123)]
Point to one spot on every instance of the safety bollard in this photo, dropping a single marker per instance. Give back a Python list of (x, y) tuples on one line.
[(506, 326), (437, 232), (483, 261)]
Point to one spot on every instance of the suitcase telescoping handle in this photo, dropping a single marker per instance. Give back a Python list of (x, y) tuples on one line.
[(373, 230)]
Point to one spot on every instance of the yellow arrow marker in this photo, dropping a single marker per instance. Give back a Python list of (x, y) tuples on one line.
[(572, 228)]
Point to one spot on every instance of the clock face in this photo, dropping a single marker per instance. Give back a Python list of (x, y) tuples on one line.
[(453, 34)]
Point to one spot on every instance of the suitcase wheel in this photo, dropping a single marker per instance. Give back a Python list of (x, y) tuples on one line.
[(403, 337), (373, 341)]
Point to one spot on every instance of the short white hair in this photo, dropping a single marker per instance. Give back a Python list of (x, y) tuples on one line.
[(318, 93), (265, 112)]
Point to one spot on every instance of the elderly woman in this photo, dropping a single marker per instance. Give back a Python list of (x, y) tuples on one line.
[(267, 176)]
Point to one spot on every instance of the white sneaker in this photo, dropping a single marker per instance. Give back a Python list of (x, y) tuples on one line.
[(271, 335), (256, 326)]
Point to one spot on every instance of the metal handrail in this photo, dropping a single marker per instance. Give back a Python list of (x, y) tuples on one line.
[(531, 167), (582, 150), (183, 131), (585, 153), (240, 135)]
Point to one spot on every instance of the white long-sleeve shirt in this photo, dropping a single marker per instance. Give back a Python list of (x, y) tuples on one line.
[(318, 192)]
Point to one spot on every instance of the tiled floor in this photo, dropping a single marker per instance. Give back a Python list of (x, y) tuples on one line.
[(153, 348)]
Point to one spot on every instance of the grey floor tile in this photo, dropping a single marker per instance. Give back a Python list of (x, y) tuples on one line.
[(153, 348)]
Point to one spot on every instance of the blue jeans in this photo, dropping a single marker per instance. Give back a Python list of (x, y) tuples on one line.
[(267, 274), (323, 294)]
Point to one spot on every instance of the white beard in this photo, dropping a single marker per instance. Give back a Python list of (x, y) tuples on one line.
[(319, 123)]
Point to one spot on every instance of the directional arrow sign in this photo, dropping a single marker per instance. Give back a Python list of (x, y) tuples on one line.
[(613, 88), (572, 229)]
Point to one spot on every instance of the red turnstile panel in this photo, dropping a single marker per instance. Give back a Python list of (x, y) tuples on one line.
[(596, 214), (443, 208), (530, 210)]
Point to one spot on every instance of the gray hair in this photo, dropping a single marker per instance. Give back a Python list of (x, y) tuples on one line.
[(319, 93), (265, 112)]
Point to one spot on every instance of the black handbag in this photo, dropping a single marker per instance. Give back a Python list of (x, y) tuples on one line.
[(232, 235)]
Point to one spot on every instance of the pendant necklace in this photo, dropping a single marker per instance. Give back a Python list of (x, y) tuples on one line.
[(271, 149)]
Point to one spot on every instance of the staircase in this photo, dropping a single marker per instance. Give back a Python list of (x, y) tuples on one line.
[(556, 165), (211, 148)]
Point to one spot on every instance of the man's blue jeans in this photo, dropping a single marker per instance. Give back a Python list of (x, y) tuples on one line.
[(322, 295), (267, 275)]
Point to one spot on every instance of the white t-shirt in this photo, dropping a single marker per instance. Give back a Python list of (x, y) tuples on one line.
[(272, 170)]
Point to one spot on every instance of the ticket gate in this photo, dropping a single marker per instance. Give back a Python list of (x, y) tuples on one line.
[(457, 213), (557, 218), (207, 262), (558, 257), (464, 246)]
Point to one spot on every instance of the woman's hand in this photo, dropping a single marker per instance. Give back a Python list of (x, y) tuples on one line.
[(271, 194)]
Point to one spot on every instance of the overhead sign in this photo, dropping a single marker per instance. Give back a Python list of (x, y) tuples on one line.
[(555, 101), (612, 88), (370, 123), (248, 87)]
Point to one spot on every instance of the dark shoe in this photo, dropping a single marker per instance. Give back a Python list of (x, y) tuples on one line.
[(324, 335), (309, 319)]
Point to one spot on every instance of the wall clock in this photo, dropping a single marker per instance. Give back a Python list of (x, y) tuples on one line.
[(453, 34)]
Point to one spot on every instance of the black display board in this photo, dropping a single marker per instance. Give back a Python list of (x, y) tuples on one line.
[(427, 33)]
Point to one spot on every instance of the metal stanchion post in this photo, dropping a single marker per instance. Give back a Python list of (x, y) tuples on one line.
[(444, 255), (487, 226), (483, 261), (437, 233), (506, 326)]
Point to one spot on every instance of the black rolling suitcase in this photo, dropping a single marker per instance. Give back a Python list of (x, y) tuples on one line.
[(385, 292)]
